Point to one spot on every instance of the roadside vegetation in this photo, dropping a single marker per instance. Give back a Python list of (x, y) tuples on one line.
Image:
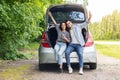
[(21, 23), (107, 28), (31, 51), (109, 50), (13, 70), (14, 73)]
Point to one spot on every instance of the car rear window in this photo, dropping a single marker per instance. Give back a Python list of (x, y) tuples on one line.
[(62, 15)]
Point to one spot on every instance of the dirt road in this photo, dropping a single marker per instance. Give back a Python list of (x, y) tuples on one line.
[(108, 69)]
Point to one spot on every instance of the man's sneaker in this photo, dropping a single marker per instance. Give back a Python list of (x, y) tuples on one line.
[(81, 71), (70, 70)]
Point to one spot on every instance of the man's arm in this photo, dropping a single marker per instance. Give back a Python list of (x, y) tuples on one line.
[(50, 14), (84, 25), (90, 15)]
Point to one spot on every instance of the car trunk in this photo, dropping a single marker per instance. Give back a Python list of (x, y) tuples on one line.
[(75, 13)]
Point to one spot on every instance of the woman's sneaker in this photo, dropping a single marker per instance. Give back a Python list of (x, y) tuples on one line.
[(60, 70)]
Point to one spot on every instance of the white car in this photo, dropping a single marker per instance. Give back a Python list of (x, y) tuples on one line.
[(77, 14)]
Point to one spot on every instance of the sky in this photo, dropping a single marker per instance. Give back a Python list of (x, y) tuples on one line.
[(100, 8)]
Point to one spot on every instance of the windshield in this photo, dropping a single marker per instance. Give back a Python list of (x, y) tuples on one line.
[(74, 16)]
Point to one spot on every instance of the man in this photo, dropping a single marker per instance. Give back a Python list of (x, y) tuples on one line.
[(77, 43)]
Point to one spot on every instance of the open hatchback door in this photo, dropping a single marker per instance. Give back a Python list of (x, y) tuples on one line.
[(77, 14)]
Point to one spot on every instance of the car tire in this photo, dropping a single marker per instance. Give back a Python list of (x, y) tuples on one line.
[(41, 66), (93, 66)]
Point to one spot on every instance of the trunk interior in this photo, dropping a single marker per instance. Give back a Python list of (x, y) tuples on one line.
[(52, 35)]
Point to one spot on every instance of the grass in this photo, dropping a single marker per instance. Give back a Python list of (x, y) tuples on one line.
[(18, 72), (109, 50), (34, 45), (14, 72), (108, 40), (31, 50)]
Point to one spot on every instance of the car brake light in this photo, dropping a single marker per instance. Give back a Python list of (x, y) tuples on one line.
[(44, 41), (90, 41)]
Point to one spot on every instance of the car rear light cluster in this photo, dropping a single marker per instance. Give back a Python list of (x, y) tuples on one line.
[(44, 41), (90, 41)]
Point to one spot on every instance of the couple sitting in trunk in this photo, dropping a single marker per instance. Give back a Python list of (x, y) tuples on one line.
[(75, 41)]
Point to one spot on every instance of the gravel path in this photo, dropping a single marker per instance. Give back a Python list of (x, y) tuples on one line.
[(108, 69)]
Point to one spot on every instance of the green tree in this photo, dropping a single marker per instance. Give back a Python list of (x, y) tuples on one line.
[(108, 28), (21, 21)]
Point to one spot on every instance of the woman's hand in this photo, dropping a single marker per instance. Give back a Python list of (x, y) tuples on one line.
[(49, 13), (65, 38)]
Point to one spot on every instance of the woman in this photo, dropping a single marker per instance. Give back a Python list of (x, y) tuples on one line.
[(62, 39)]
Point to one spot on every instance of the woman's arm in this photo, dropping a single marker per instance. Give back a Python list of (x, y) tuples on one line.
[(50, 14)]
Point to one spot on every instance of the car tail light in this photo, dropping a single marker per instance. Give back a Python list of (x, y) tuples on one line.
[(44, 41), (90, 41)]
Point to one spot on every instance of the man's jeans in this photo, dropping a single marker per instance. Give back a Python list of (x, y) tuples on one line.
[(74, 47), (60, 48)]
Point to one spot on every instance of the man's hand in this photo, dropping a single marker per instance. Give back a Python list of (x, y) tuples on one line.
[(83, 46), (90, 15)]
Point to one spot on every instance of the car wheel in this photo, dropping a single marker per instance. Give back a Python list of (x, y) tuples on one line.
[(41, 66), (93, 65)]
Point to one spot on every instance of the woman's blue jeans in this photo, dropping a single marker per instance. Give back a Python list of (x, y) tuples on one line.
[(79, 50), (60, 48)]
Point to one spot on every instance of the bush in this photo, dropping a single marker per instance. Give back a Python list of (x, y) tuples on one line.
[(19, 24)]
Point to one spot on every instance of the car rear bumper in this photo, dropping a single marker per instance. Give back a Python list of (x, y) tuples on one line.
[(47, 55)]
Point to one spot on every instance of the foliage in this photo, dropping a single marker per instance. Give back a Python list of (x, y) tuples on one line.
[(108, 28), (21, 21)]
